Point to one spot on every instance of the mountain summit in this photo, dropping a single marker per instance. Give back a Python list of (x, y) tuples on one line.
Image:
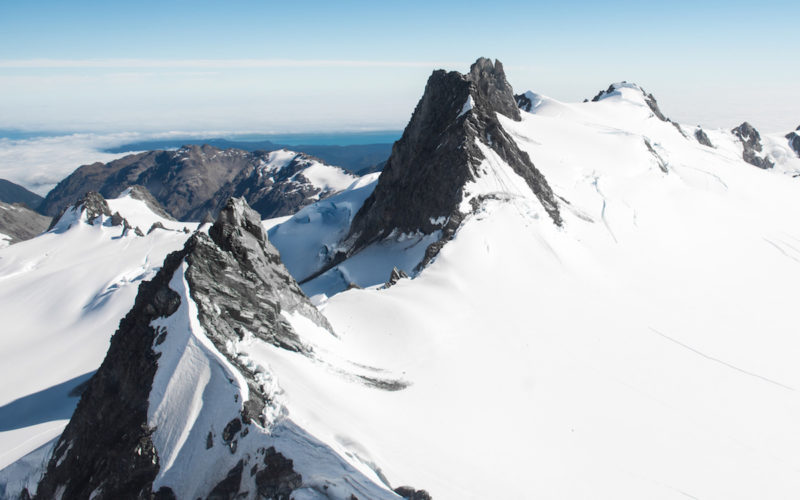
[(456, 124)]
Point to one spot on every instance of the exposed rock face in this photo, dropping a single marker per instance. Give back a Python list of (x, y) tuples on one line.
[(107, 444), (19, 223), (523, 102), (397, 275), (438, 154), (11, 193), (751, 142), (239, 286), (192, 181), (794, 140), (409, 493), (91, 206), (702, 138), (271, 191)]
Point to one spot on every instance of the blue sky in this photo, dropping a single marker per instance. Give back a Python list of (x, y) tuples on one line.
[(276, 66)]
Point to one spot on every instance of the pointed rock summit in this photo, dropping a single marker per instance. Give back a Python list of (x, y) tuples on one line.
[(222, 288), (423, 181)]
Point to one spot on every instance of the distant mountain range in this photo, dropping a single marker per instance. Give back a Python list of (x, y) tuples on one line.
[(357, 158)]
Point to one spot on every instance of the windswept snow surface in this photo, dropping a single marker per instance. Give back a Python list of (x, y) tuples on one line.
[(62, 295), (646, 349)]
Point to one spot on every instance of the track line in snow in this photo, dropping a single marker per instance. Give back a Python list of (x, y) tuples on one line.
[(781, 250), (725, 363), (595, 181)]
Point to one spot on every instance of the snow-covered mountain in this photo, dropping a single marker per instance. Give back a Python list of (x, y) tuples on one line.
[(19, 223), (599, 303), (194, 181)]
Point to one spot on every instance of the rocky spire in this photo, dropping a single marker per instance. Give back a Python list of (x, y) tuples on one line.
[(239, 287), (438, 154)]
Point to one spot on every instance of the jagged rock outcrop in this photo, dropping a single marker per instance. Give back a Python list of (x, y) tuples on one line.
[(751, 143), (142, 194), (196, 179), (12, 193), (395, 276), (794, 140), (524, 102), (239, 286), (702, 138), (423, 180), (87, 209), (19, 223)]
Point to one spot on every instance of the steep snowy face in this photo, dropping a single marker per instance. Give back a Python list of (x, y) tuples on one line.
[(633, 93), (62, 295), (199, 416), (751, 146), (435, 166)]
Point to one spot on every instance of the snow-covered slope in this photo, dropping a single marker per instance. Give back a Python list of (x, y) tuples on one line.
[(646, 349), (62, 295)]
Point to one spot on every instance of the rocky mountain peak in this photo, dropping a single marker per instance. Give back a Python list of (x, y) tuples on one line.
[(424, 178), (491, 86), (232, 284), (618, 88), (751, 146)]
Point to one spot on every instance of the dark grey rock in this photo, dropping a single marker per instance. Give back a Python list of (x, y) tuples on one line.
[(438, 154), (188, 183), (278, 479), (228, 488), (156, 225), (523, 102), (702, 138), (751, 143), (12, 193), (21, 223), (395, 276), (794, 141), (92, 203), (409, 493)]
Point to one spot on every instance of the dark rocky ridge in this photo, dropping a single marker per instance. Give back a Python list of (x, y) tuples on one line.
[(191, 181), (437, 155), (239, 284), (751, 142), (14, 193), (21, 223), (702, 138), (794, 141)]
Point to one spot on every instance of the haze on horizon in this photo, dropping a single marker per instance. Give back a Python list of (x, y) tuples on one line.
[(318, 66)]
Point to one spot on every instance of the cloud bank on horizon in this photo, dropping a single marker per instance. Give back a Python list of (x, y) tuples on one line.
[(159, 66)]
